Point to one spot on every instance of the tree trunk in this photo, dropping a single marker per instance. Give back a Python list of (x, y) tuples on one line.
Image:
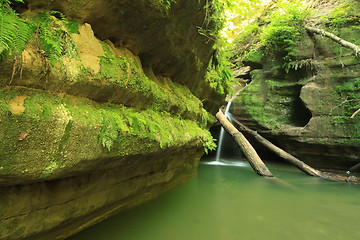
[(295, 161), (335, 38), (278, 151), (250, 153)]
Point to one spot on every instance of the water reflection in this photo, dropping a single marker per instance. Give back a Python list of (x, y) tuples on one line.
[(230, 203)]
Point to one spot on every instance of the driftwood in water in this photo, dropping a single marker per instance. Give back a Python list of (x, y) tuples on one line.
[(295, 161), (335, 38), (250, 153)]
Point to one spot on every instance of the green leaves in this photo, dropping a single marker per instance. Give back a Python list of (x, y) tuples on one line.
[(112, 126), (284, 32), (9, 1), (52, 37), (219, 75), (14, 32), (209, 144), (343, 14)]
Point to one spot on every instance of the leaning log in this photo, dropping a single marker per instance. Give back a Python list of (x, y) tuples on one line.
[(255, 161), (335, 38), (292, 159), (278, 151)]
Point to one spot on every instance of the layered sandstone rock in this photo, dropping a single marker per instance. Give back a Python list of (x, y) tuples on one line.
[(112, 122), (307, 109)]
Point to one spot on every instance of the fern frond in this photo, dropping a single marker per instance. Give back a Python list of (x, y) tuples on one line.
[(14, 32)]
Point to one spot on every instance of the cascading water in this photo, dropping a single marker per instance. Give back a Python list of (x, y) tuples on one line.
[(222, 132), (218, 160)]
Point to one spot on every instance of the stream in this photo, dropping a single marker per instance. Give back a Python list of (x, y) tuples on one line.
[(230, 201)]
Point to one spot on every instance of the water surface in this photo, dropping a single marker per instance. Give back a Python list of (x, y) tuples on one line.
[(231, 202)]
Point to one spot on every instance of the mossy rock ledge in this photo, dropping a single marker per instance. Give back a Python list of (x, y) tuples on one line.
[(118, 118), (307, 110)]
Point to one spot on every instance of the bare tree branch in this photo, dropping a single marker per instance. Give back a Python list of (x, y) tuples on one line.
[(343, 102), (354, 114), (335, 38)]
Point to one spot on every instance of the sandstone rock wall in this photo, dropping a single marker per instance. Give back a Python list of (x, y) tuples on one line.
[(164, 34), (113, 121), (306, 110)]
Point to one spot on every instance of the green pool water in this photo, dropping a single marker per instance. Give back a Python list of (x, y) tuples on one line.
[(232, 202)]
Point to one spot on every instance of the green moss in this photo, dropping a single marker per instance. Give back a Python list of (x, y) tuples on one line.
[(245, 43), (113, 69), (348, 95), (343, 14), (272, 103), (120, 124), (275, 42), (49, 170), (121, 130), (255, 105), (66, 135), (72, 26), (38, 106), (168, 96), (4, 107), (254, 55)]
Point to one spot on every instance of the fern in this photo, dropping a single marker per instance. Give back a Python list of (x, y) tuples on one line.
[(54, 40), (50, 36), (14, 32)]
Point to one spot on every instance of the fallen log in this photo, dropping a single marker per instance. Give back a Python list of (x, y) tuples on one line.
[(292, 159), (335, 38), (255, 161)]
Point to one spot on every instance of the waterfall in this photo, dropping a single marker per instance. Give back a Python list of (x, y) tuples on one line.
[(222, 132)]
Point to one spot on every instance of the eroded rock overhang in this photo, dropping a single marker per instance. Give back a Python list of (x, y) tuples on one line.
[(164, 34)]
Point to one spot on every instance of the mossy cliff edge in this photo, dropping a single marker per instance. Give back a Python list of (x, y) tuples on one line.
[(304, 87), (91, 126)]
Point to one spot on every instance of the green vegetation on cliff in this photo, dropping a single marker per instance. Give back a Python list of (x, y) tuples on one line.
[(122, 131), (54, 40), (302, 85), (14, 32), (105, 100)]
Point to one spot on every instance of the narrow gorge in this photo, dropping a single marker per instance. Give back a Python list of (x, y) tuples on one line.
[(105, 105)]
